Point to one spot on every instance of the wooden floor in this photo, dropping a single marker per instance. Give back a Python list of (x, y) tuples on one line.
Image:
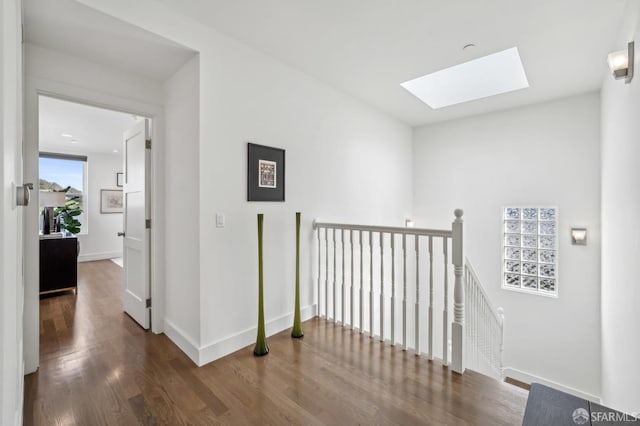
[(98, 367)]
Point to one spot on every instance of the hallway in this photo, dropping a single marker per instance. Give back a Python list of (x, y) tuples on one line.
[(98, 367)]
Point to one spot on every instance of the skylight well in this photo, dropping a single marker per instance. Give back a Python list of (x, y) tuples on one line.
[(490, 75)]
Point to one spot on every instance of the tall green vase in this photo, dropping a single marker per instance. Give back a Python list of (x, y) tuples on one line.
[(261, 340), (297, 324)]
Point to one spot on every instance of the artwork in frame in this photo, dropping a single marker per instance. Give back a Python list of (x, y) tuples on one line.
[(119, 180), (265, 173), (111, 201)]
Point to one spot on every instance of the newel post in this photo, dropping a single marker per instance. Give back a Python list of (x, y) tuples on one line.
[(457, 327)]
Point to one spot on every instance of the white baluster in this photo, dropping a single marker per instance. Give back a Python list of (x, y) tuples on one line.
[(393, 289), (319, 272), (333, 308), (361, 310), (501, 338), (457, 328), (445, 311), (326, 273), (343, 292), (382, 287), (431, 298), (417, 302), (351, 271), (404, 292), (370, 284)]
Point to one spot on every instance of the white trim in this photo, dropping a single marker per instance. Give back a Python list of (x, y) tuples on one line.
[(34, 88), (230, 344), (531, 378), (90, 257), (537, 291), (182, 340)]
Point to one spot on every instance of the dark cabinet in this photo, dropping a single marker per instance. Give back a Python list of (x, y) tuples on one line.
[(58, 264)]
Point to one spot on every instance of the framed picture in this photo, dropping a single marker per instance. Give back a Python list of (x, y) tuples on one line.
[(111, 201), (119, 180), (265, 173)]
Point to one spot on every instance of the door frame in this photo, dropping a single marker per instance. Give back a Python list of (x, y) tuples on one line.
[(35, 87)]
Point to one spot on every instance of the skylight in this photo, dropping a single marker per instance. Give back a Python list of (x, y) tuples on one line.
[(490, 75)]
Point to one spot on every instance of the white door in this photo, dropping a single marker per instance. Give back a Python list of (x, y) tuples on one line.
[(136, 288)]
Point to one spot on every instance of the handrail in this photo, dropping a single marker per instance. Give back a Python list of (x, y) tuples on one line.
[(377, 294), (445, 233), (484, 333), (473, 274)]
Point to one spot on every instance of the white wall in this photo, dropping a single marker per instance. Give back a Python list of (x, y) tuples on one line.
[(101, 241), (545, 154), (181, 172), (345, 162), (53, 73), (620, 231), (11, 282)]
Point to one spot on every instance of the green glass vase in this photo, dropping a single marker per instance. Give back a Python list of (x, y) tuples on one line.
[(261, 347), (297, 332)]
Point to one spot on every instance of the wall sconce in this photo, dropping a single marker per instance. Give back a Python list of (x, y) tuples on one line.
[(621, 63), (579, 236), (408, 223)]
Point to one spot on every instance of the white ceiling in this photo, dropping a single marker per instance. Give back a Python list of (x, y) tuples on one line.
[(368, 47), (80, 31), (95, 130)]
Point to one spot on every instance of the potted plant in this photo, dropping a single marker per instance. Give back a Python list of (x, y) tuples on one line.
[(67, 215)]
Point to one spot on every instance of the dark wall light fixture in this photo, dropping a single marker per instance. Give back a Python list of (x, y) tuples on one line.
[(621, 63)]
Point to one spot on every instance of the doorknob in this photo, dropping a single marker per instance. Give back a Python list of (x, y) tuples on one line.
[(120, 234), (22, 194)]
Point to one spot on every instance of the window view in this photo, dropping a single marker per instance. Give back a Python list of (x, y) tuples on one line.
[(530, 249), (59, 172)]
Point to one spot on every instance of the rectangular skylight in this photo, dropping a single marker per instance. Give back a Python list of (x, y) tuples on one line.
[(490, 75)]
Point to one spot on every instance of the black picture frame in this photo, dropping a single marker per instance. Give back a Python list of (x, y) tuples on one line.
[(265, 173), (119, 180)]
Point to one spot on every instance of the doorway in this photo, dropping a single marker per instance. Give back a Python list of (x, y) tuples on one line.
[(124, 70), (93, 194), (100, 169)]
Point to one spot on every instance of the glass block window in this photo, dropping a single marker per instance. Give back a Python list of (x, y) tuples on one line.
[(529, 249)]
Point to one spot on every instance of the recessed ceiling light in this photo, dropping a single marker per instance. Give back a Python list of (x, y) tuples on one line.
[(115, 150), (490, 75), (73, 141), (66, 135)]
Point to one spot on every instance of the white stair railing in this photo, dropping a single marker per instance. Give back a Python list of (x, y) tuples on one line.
[(368, 252), (484, 330)]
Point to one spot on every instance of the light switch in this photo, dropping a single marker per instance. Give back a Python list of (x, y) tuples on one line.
[(220, 220)]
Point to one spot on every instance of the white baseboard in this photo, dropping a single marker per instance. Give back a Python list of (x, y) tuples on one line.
[(228, 345), (182, 340), (90, 257), (530, 378)]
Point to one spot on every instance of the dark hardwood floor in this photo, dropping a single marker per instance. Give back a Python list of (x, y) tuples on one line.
[(98, 367)]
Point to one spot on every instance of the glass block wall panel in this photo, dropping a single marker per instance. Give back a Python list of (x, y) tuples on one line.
[(511, 213), (512, 240), (529, 241), (529, 254), (530, 283), (529, 227), (530, 268), (548, 285), (512, 226), (548, 242), (512, 280), (530, 249), (512, 266)]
